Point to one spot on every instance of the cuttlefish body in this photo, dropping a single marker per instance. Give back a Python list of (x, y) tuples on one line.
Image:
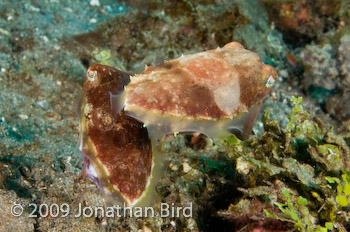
[(215, 92)]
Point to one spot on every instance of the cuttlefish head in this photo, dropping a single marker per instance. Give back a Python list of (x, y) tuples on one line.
[(116, 149)]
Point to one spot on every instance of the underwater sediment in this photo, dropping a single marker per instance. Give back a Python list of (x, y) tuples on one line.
[(290, 174)]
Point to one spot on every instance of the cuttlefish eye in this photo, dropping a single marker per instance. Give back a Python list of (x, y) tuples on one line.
[(91, 75), (270, 81), (268, 74)]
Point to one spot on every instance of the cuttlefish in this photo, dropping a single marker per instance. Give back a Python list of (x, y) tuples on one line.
[(215, 92)]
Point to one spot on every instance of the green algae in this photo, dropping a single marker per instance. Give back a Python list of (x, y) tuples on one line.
[(295, 212), (255, 170), (299, 168)]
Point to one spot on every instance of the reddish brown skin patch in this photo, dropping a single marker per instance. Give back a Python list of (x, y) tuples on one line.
[(202, 67), (251, 91), (248, 89), (195, 100), (121, 142), (200, 101)]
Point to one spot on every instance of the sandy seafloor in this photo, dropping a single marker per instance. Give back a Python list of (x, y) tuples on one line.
[(46, 47)]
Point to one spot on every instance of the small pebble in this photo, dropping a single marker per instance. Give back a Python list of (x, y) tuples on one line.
[(44, 38), (68, 9), (173, 167), (43, 104), (284, 73), (93, 20), (186, 168), (3, 31), (121, 9), (109, 8), (23, 116), (146, 229), (30, 7), (243, 166), (95, 3)]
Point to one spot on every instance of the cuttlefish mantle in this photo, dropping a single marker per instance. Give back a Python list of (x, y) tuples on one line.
[(215, 92)]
